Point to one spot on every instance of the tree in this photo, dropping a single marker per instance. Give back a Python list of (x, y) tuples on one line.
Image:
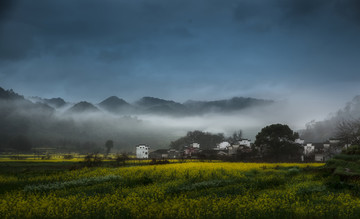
[(277, 143), (236, 136), (206, 140), (348, 131), (109, 145), (121, 159)]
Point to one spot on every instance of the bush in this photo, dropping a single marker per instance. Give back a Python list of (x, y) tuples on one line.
[(353, 149), (293, 171), (68, 156), (46, 157), (121, 159), (93, 160), (17, 157), (156, 162)]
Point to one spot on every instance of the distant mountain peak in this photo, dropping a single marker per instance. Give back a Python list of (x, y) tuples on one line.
[(113, 101), (9, 95), (151, 101), (56, 102), (83, 106), (157, 105), (233, 104), (114, 104), (53, 102)]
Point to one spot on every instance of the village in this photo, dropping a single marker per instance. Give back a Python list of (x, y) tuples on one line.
[(310, 152)]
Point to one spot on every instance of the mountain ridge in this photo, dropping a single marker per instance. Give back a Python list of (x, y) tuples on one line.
[(145, 105)]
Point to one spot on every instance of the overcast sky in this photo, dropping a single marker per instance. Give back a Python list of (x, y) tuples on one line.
[(294, 50)]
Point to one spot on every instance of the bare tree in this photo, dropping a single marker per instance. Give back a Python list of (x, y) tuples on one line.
[(236, 136), (348, 131)]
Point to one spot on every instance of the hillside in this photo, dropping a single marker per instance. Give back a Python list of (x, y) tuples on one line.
[(317, 131)]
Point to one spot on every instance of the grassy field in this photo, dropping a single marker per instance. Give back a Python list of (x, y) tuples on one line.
[(177, 190)]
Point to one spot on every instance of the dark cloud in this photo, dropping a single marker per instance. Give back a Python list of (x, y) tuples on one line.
[(349, 9), (265, 15), (56, 25), (5, 8), (111, 55), (295, 9), (166, 47), (16, 41), (246, 10), (297, 13)]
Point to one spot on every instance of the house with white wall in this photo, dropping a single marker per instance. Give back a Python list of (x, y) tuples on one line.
[(245, 142), (142, 151), (299, 141), (195, 145), (309, 148), (223, 146)]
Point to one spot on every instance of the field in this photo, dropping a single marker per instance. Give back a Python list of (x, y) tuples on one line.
[(176, 190)]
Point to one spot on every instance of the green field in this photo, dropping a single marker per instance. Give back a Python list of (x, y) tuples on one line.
[(177, 190)]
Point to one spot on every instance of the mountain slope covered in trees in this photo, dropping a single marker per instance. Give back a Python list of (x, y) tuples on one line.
[(318, 131)]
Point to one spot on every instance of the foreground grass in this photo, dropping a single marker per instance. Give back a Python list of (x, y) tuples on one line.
[(187, 190)]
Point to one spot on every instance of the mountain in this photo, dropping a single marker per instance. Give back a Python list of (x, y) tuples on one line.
[(19, 117), (146, 105), (227, 105), (153, 101), (157, 105), (13, 102), (9, 95), (115, 105), (83, 107), (55, 102)]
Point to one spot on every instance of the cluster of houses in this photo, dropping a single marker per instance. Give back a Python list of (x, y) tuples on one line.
[(322, 151), (193, 151), (319, 152)]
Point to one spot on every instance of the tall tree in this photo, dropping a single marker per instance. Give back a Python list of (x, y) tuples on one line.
[(206, 140), (277, 142), (236, 136)]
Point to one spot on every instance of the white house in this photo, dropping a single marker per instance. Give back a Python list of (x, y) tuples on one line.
[(223, 145), (299, 141), (142, 151), (334, 141), (309, 148), (327, 145), (319, 157), (195, 145), (245, 142)]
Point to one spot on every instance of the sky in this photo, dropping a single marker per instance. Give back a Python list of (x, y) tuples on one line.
[(304, 52)]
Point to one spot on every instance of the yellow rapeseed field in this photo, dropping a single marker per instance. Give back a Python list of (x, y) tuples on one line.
[(182, 190)]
